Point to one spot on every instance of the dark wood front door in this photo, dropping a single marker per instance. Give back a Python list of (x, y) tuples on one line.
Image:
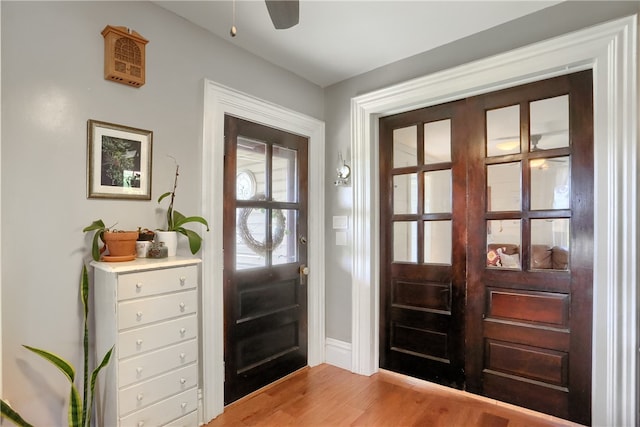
[(265, 252), (521, 263)]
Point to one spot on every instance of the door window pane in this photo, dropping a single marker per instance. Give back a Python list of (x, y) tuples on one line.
[(437, 242), (284, 234), (503, 131), (550, 243), (284, 174), (504, 187), (251, 227), (550, 183), (437, 191), (549, 123), (437, 142), (405, 194), (405, 241), (503, 243), (250, 168), (405, 147)]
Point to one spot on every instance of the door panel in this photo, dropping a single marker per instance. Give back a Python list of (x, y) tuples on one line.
[(265, 294), (490, 288), (423, 180)]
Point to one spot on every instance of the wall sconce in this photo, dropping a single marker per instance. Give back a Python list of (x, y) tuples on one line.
[(343, 170)]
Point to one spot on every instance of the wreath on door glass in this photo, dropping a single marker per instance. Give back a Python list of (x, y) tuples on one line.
[(278, 228)]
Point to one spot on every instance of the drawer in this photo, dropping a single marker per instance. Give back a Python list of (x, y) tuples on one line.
[(149, 392), (141, 340), (148, 310), (164, 411), (190, 420), (147, 366), (143, 284)]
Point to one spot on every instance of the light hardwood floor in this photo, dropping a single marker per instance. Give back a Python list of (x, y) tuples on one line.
[(329, 396)]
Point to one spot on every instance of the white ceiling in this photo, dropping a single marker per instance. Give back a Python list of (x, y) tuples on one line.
[(338, 39)]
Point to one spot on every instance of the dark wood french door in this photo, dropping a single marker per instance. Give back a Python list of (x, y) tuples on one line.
[(496, 299), (265, 252)]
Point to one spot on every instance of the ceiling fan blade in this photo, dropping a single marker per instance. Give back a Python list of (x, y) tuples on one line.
[(284, 13)]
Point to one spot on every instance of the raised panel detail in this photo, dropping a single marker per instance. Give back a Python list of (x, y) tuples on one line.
[(435, 296), (538, 307), (261, 348), (419, 341), (530, 362), (265, 299)]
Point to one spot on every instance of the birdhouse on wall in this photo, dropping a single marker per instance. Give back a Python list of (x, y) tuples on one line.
[(124, 60)]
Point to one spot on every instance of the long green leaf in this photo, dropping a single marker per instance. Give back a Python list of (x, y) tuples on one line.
[(184, 220), (95, 225), (64, 366), (8, 413), (75, 408), (94, 377), (95, 250), (84, 296), (195, 241), (167, 194)]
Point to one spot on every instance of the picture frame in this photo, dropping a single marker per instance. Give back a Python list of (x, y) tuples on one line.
[(118, 161)]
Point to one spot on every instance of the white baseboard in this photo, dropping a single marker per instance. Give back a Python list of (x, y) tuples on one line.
[(338, 353)]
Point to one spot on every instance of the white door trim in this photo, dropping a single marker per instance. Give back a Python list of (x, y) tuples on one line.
[(610, 50), (218, 101)]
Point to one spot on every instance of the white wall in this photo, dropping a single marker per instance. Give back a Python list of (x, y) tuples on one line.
[(52, 82)]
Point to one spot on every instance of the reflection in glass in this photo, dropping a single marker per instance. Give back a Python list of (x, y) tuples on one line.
[(251, 227), (250, 168), (503, 131), (405, 147), (284, 170), (437, 191), (504, 187), (405, 241), (550, 243), (549, 123), (550, 183), (437, 142), (503, 243), (405, 194), (283, 233), (437, 242)]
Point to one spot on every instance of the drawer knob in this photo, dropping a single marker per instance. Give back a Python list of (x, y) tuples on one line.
[(183, 405), (139, 315), (182, 306), (140, 423), (182, 331), (182, 356), (140, 397), (139, 285), (183, 380), (183, 280), (138, 370), (138, 342)]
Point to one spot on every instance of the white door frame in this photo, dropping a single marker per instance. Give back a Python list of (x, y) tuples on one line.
[(218, 101), (610, 51)]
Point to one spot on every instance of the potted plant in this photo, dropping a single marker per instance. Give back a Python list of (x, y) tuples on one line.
[(176, 222), (121, 244), (80, 407)]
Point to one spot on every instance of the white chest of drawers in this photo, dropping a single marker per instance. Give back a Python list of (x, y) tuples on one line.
[(148, 309)]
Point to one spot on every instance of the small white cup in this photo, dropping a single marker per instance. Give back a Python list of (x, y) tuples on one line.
[(142, 248)]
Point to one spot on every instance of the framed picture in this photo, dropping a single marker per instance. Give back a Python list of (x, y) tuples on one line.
[(118, 161)]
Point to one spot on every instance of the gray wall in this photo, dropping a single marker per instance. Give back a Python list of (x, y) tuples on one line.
[(52, 82), (563, 18)]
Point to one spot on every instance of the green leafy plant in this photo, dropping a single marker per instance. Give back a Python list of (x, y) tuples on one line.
[(176, 220), (99, 228), (79, 411)]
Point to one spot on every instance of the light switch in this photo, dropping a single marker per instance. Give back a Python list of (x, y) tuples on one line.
[(340, 222)]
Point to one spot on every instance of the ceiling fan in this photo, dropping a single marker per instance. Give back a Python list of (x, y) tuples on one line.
[(283, 13)]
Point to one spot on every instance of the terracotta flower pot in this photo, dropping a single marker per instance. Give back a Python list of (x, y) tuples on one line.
[(120, 243)]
